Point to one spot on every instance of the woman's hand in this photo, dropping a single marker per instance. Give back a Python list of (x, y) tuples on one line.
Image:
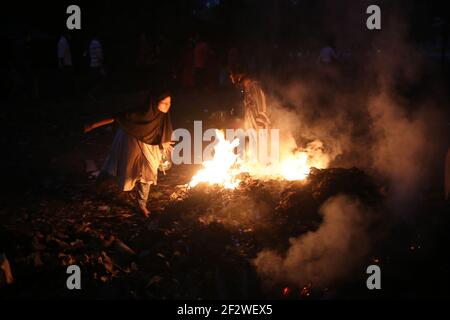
[(168, 146), (92, 126), (88, 127)]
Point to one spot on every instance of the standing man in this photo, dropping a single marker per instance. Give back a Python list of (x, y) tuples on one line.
[(256, 115), (328, 55), (64, 56), (97, 71), (201, 53), (255, 112), (63, 53)]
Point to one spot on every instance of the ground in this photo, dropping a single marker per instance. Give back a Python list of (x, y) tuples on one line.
[(54, 214)]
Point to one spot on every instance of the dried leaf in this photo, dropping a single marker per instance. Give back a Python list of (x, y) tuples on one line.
[(154, 280), (122, 247)]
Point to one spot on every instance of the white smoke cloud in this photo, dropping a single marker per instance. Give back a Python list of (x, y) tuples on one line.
[(325, 256)]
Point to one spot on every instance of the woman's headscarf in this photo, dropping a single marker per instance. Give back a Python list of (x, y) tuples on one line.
[(147, 123)]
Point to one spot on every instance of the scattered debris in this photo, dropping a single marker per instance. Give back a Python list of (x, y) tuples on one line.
[(198, 246), (104, 208), (306, 290)]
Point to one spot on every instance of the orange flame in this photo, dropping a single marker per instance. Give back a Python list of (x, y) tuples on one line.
[(226, 165)]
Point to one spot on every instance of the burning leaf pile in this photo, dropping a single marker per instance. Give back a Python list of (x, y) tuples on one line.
[(201, 245), (226, 166), (281, 206)]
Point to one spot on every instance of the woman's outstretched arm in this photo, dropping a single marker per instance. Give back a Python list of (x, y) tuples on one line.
[(95, 125)]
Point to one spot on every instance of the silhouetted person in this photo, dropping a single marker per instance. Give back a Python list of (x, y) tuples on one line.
[(64, 56), (96, 66), (64, 53), (255, 109), (328, 54), (201, 52), (187, 65), (24, 75)]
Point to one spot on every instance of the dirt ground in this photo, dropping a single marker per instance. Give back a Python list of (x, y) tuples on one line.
[(53, 214)]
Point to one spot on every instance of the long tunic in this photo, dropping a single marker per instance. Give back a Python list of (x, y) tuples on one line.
[(131, 160), (255, 107)]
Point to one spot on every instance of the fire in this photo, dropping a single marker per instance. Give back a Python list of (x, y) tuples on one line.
[(296, 167), (226, 165), (223, 168)]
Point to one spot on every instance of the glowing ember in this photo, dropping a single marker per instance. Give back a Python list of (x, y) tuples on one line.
[(306, 290), (286, 291), (226, 165)]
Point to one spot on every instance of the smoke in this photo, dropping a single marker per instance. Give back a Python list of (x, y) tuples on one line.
[(378, 113), (400, 151), (298, 134), (370, 112), (326, 256)]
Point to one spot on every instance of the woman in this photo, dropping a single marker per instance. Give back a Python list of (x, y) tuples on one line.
[(135, 154)]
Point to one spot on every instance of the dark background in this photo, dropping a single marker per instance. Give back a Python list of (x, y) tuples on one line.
[(290, 24)]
